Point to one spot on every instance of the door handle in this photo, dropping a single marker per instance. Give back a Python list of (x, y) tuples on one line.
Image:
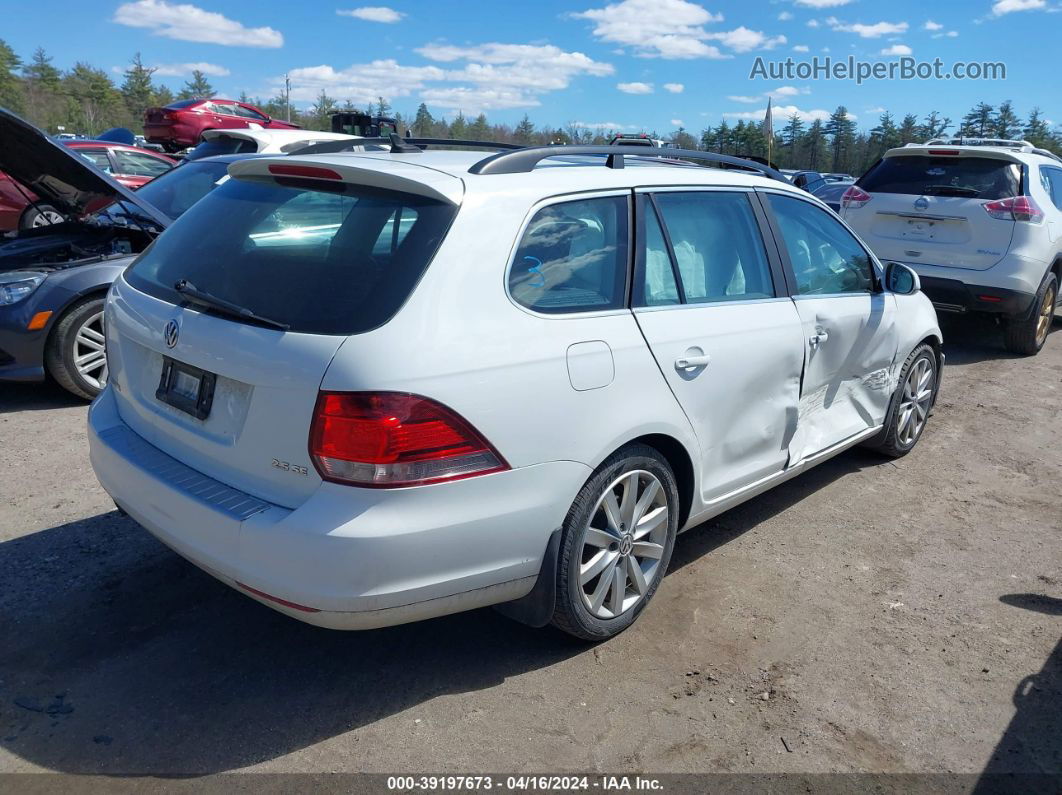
[(689, 362), (820, 336)]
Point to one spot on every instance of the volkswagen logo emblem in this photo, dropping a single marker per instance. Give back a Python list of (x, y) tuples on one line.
[(171, 333), (921, 203)]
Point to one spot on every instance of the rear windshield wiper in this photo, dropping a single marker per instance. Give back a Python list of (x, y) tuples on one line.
[(197, 296), (951, 190)]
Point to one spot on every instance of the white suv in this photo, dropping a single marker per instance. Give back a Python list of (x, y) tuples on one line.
[(980, 220), (395, 385)]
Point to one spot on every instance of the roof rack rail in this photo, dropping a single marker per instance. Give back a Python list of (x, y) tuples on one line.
[(965, 141), (403, 145), (525, 159)]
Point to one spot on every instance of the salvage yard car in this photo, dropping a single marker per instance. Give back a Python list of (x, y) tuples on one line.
[(181, 124), (980, 221), (53, 278), (396, 385), (228, 142)]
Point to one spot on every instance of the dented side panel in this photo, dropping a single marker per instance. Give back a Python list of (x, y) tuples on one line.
[(850, 367), (741, 394)]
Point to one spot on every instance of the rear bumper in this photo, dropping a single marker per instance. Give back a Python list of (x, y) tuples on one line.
[(951, 295), (180, 134), (347, 558)]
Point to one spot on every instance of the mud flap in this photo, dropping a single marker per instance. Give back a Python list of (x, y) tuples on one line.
[(536, 609)]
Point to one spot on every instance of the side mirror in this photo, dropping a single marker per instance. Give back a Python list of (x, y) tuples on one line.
[(901, 279)]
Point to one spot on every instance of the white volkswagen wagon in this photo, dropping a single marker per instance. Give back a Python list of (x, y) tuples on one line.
[(367, 389)]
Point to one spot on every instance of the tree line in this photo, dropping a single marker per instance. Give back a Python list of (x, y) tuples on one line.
[(85, 99)]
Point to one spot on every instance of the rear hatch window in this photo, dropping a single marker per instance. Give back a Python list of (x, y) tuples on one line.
[(321, 259), (222, 145), (983, 178)]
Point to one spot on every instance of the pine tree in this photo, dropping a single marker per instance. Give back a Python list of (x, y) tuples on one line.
[(197, 88), (423, 122), (978, 123), (524, 131), (41, 71), (321, 112), (383, 107), (137, 89), (934, 126), (909, 130), (793, 131), (1006, 123), (817, 150), (94, 102), (43, 100), (841, 129), (1036, 130), (459, 126), (162, 97), (479, 130), (11, 94)]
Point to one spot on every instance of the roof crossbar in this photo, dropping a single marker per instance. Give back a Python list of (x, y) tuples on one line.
[(525, 159)]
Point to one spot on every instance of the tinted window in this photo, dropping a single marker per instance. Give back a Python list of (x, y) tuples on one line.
[(140, 165), (247, 113), (967, 177), (182, 187), (826, 258), (659, 286), (98, 158), (573, 257), (184, 103), (717, 246), (297, 254), (222, 145), (1052, 178)]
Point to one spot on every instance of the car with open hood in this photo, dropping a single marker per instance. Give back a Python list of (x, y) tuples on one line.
[(53, 278)]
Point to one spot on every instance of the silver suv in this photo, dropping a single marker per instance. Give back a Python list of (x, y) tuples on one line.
[(979, 220)]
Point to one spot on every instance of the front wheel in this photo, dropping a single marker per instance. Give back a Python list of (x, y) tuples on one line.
[(616, 544), (76, 355), (40, 215), (911, 403)]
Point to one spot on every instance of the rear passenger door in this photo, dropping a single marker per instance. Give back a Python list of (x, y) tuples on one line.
[(711, 303), (849, 325)]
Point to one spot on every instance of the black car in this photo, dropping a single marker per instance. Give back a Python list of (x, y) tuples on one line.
[(53, 279)]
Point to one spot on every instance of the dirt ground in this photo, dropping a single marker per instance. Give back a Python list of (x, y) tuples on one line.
[(867, 616)]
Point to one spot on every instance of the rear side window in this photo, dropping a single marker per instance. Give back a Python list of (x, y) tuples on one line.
[(984, 178), (573, 257), (222, 145), (716, 245), (1052, 182), (336, 261)]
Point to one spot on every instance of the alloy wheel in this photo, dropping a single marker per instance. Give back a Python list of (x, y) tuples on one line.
[(915, 401), (1047, 315), (623, 543), (46, 217), (90, 357)]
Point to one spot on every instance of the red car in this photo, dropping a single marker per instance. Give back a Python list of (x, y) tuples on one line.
[(129, 165), (181, 124)]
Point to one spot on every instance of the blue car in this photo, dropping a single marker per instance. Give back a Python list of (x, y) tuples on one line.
[(53, 279)]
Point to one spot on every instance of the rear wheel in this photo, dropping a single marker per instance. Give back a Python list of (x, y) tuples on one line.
[(616, 544), (75, 355), (1028, 336), (40, 215)]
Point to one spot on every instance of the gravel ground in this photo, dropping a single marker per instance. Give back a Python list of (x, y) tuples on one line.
[(868, 616)]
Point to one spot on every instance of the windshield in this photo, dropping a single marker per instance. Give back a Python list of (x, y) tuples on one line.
[(983, 178), (340, 260)]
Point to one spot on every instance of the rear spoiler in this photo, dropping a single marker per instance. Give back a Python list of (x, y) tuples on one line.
[(375, 172)]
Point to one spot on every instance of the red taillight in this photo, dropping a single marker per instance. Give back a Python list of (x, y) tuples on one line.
[(391, 439), (945, 152), (855, 197), (1017, 208), (313, 172)]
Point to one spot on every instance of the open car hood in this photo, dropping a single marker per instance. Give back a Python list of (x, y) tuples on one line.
[(58, 175)]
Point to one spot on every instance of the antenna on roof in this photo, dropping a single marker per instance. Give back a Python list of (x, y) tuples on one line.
[(398, 146)]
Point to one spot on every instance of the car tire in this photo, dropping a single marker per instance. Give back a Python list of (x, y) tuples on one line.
[(911, 404), (39, 215), (71, 355), (606, 575), (1027, 337)]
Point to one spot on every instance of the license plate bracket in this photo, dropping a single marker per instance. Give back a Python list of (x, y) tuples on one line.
[(189, 389)]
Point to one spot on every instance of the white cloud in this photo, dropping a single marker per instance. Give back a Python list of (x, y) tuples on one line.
[(477, 78), (186, 69), (372, 14), (671, 29), (605, 125), (822, 3), (635, 88), (813, 23), (931, 25), (1009, 6), (745, 99), (878, 109), (785, 16), (787, 91), (897, 49), (875, 31), (780, 113), (674, 88), (743, 39), (676, 123), (801, 48), (186, 22)]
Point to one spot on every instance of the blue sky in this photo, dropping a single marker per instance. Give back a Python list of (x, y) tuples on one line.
[(628, 64)]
